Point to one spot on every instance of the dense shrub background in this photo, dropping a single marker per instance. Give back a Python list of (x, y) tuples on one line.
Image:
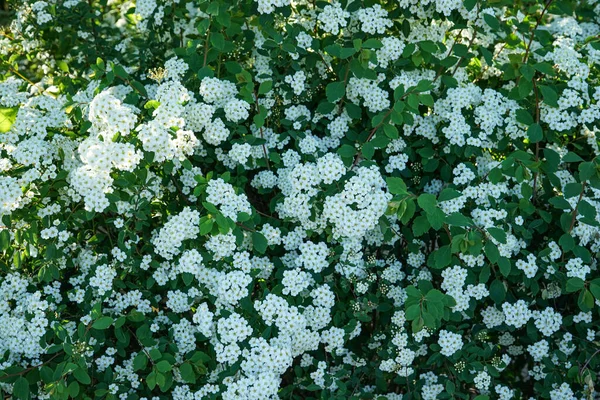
[(394, 199)]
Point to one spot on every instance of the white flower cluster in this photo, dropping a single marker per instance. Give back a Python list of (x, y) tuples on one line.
[(448, 202), (180, 227), (222, 194), (450, 342)]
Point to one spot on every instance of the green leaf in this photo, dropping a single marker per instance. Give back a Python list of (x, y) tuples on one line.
[(549, 95), (187, 373), (566, 242), (120, 72), (391, 131), (492, 21), (62, 65), (434, 295), (140, 361), (102, 323), (426, 99), (259, 242), (442, 257), (265, 87), (448, 194), (585, 300), (163, 366), (524, 117), (21, 389), (571, 157), (7, 118), (82, 376), (572, 189), (424, 85), (372, 44), (574, 285), (396, 186), (436, 218), (595, 288), (139, 88), (368, 150), (100, 64), (497, 291), (346, 151), (497, 234), (335, 91), (535, 133), (4, 239), (491, 251), (544, 68), (427, 202), (206, 226), (217, 40), (504, 265), (413, 312), (586, 170), (527, 71), (420, 225)]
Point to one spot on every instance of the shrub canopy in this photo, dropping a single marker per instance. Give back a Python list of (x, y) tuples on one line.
[(300, 199)]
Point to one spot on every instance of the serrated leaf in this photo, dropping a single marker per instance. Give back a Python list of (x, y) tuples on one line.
[(427, 202)]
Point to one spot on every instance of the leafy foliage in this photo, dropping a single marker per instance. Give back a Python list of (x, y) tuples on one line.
[(301, 200)]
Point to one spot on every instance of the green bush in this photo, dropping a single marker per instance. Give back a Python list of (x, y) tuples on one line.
[(299, 200)]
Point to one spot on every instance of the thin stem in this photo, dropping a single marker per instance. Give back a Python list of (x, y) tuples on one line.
[(574, 212), (262, 136), (206, 44), (30, 368), (537, 144)]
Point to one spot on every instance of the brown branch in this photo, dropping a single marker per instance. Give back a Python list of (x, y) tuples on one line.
[(206, 45), (532, 36), (460, 60), (371, 134), (16, 72), (30, 368), (574, 212), (341, 101), (245, 227), (537, 144), (262, 136), (588, 361)]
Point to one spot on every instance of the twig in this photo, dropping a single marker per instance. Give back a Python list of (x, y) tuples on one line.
[(30, 368), (14, 71), (588, 361), (371, 134), (460, 60), (537, 144), (574, 212), (206, 44), (532, 36), (245, 227), (262, 136)]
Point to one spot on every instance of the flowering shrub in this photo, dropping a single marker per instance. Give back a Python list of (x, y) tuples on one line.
[(268, 199)]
